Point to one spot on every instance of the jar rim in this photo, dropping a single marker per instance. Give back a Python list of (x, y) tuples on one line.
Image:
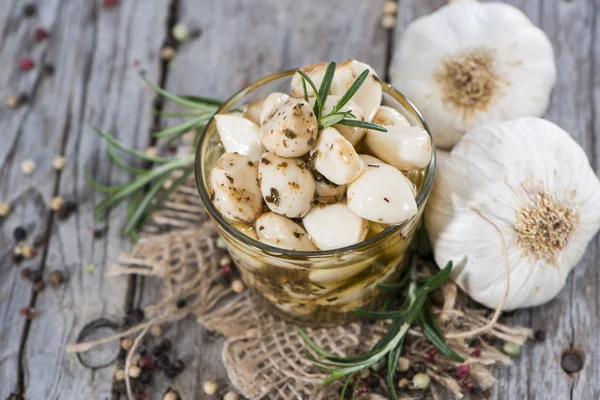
[(262, 247)]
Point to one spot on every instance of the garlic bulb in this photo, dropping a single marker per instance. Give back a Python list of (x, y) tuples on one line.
[(471, 63), (529, 180)]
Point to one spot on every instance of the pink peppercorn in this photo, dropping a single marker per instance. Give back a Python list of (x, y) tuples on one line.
[(41, 34), (26, 64), (110, 3), (227, 269), (463, 371), (172, 149), (477, 351), (147, 362), (431, 354)]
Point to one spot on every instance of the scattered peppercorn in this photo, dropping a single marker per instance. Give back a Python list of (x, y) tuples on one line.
[(195, 33), (231, 396), (41, 34), (420, 381), (49, 69), (181, 303), (56, 278), (25, 273), (210, 387), (39, 287), (126, 343), (4, 209), (35, 276), (29, 312), (431, 354), (163, 361), (151, 152), (19, 233), (147, 362), (120, 374), (146, 377), (372, 380), (68, 208), (26, 64), (109, 3), (134, 371), (11, 101), (571, 361), (539, 335), (136, 316), (17, 255), (142, 395), (156, 331), (28, 167), (512, 349), (170, 371), (388, 21), (462, 371), (403, 364), (390, 7), (477, 351), (59, 163), (237, 286), (170, 395), (16, 396), (180, 32), (179, 366), (29, 251), (167, 53), (99, 233), (29, 10)]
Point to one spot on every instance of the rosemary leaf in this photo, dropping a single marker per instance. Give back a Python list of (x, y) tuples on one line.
[(305, 91), (174, 114), (438, 341), (176, 99), (391, 366), (379, 315), (326, 82), (362, 124), (318, 105), (112, 140), (160, 198), (330, 120), (355, 388), (203, 100), (312, 344), (133, 221), (96, 186), (351, 91), (183, 127), (346, 384), (114, 156)]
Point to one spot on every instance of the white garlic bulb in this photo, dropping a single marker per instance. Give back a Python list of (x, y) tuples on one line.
[(529, 180), (471, 63)]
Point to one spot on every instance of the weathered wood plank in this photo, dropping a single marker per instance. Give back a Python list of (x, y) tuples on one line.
[(240, 42), (572, 318), (95, 51)]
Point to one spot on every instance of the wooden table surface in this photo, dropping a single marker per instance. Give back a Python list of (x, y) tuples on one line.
[(97, 53)]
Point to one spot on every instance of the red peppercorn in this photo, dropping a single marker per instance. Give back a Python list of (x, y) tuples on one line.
[(172, 149), (431, 354), (142, 395), (136, 63), (477, 351), (26, 64), (147, 362), (462, 371), (227, 269), (110, 3), (361, 389), (41, 34)]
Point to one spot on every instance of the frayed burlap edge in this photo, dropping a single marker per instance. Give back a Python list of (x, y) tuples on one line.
[(264, 355)]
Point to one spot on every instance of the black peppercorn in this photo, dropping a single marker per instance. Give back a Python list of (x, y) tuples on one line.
[(419, 367), (19, 233), (181, 303), (571, 361), (475, 341), (373, 380), (17, 257), (409, 374), (29, 10), (142, 349), (540, 335), (49, 69), (179, 366), (22, 99), (68, 208), (16, 396), (122, 355), (166, 344), (163, 360), (35, 276), (145, 377), (99, 233), (170, 371), (135, 317)]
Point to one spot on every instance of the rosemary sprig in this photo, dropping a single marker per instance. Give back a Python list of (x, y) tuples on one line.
[(145, 190), (414, 309), (336, 116)]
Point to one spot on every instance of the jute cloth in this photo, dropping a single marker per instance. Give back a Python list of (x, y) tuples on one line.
[(263, 354)]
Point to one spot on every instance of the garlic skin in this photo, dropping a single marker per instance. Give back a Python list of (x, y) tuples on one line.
[(287, 186), (369, 95), (239, 135), (333, 226), (471, 63), (529, 179), (234, 188), (291, 129), (279, 231), (335, 158), (403, 147)]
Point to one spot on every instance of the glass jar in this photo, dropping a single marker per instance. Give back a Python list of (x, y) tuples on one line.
[(322, 287)]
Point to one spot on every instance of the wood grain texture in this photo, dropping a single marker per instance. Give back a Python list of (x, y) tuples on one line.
[(94, 50)]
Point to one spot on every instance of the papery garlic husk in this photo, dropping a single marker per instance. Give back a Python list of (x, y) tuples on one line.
[(529, 180), (471, 63)]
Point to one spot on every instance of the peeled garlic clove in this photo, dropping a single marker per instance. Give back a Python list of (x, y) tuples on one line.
[(287, 186), (335, 158), (353, 134), (403, 147), (315, 72), (388, 116), (252, 111), (328, 192), (291, 129), (239, 135), (279, 231), (334, 226), (369, 95), (382, 194), (270, 103), (336, 274), (234, 188), (247, 230), (371, 161)]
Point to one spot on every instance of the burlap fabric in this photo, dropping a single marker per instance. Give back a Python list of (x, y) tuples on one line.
[(264, 355)]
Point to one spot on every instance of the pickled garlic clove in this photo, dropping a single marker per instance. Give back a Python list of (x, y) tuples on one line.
[(239, 135), (270, 103), (334, 226), (234, 188), (336, 274), (402, 147), (353, 134), (382, 194), (334, 157), (328, 192), (370, 161), (279, 231), (252, 111), (388, 116), (291, 129), (247, 230), (315, 72), (287, 186), (369, 95)]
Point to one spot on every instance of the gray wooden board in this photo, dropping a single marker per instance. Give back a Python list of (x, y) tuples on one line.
[(94, 50)]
